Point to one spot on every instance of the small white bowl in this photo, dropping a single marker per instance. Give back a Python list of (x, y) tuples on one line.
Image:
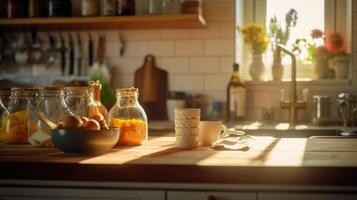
[(187, 123), (187, 113), (187, 141), (186, 131)]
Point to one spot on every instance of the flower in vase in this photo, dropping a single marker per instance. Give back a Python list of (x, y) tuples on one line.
[(335, 43)]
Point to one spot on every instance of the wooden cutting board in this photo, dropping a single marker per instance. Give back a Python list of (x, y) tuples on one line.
[(153, 88)]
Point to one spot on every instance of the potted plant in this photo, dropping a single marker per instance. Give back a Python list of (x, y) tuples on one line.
[(280, 35), (339, 59), (256, 37)]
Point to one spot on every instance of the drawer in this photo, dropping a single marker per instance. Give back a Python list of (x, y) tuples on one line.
[(178, 195), (305, 196), (28, 193)]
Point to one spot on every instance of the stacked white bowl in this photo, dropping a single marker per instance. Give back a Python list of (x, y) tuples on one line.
[(186, 127)]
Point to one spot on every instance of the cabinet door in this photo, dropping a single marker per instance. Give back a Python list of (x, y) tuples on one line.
[(305, 196), (178, 195), (10, 193)]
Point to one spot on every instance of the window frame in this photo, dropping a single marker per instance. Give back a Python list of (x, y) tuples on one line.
[(254, 11)]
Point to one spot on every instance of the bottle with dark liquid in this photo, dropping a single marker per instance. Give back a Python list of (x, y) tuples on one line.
[(236, 97)]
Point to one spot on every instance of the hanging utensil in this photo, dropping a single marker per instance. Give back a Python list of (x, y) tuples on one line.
[(62, 50), (81, 70), (90, 50), (71, 55)]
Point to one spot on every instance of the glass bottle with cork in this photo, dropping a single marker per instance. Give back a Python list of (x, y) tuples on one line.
[(236, 97), (95, 105)]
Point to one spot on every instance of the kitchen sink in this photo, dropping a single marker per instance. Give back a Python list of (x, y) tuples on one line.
[(283, 130)]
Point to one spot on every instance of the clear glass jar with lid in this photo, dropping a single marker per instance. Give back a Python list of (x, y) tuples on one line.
[(15, 122), (49, 106), (76, 99), (128, 115)]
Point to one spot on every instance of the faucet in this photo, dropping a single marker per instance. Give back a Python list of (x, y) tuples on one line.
[(293, 105)]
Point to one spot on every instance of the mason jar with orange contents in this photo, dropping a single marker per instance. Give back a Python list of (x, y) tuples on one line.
[(15, 127), (128, 115)]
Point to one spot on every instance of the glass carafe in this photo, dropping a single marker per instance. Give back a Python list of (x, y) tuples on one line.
[(95, 105), (128, 115), (49, 106), (15, 127)]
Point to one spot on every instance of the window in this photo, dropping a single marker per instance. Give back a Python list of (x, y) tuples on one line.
[(326, 15)]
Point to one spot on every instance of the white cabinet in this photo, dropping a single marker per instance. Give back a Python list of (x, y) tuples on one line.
[(181, 195), (10, 193), (306, 196)]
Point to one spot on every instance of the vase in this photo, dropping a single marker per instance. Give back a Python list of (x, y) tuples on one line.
[(321, 70), (277, 68), (257, 67), (341, 67)]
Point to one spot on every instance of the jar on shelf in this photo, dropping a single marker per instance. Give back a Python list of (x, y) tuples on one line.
[(4, 101), (50, 106), (76, 99), (126, 7), (90, 8), (128, 115), (36, 8), (154, 7), (108, 7), (16, 8), (171, 7), (59, 8), (15, 127)]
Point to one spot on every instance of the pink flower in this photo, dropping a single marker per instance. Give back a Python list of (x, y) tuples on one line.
[(335, 43), (316, 33)]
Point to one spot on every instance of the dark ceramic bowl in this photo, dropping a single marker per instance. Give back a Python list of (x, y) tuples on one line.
[(72, 141)]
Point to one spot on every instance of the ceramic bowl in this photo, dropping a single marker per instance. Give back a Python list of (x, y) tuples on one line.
[(72, 141)]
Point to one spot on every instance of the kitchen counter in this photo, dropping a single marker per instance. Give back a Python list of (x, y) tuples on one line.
[(293, 161)]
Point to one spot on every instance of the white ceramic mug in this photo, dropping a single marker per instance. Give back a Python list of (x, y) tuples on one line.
[(210, 131)]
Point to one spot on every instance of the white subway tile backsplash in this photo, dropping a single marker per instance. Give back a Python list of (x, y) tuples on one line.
[(174, 65), (219, 47), (226, 64), (123, 81), (227, 29), (212, 31), (189, 47), (216, 82), (135, 49), (126, 65), (204, 65), (175, 34), (149, 34), (189, 83), (161, 48), (112, 49)]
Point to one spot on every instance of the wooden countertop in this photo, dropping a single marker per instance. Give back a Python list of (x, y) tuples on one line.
[(298, 161)]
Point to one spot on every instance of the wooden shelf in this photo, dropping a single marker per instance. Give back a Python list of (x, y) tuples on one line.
[(112, 22)]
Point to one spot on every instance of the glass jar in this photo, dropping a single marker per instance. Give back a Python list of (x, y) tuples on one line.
[(16, 8), (126, 7), (154, 7), (95, 105), (59, 8), (128, 115), (36, 8), (50, 106), (171, 7), (15, 122), (76, 99), (108, 7), (90, 8)]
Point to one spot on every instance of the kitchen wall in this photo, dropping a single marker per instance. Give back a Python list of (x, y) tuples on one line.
[(200, 60)]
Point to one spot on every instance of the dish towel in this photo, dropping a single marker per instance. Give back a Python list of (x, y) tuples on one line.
[(234, 140)]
